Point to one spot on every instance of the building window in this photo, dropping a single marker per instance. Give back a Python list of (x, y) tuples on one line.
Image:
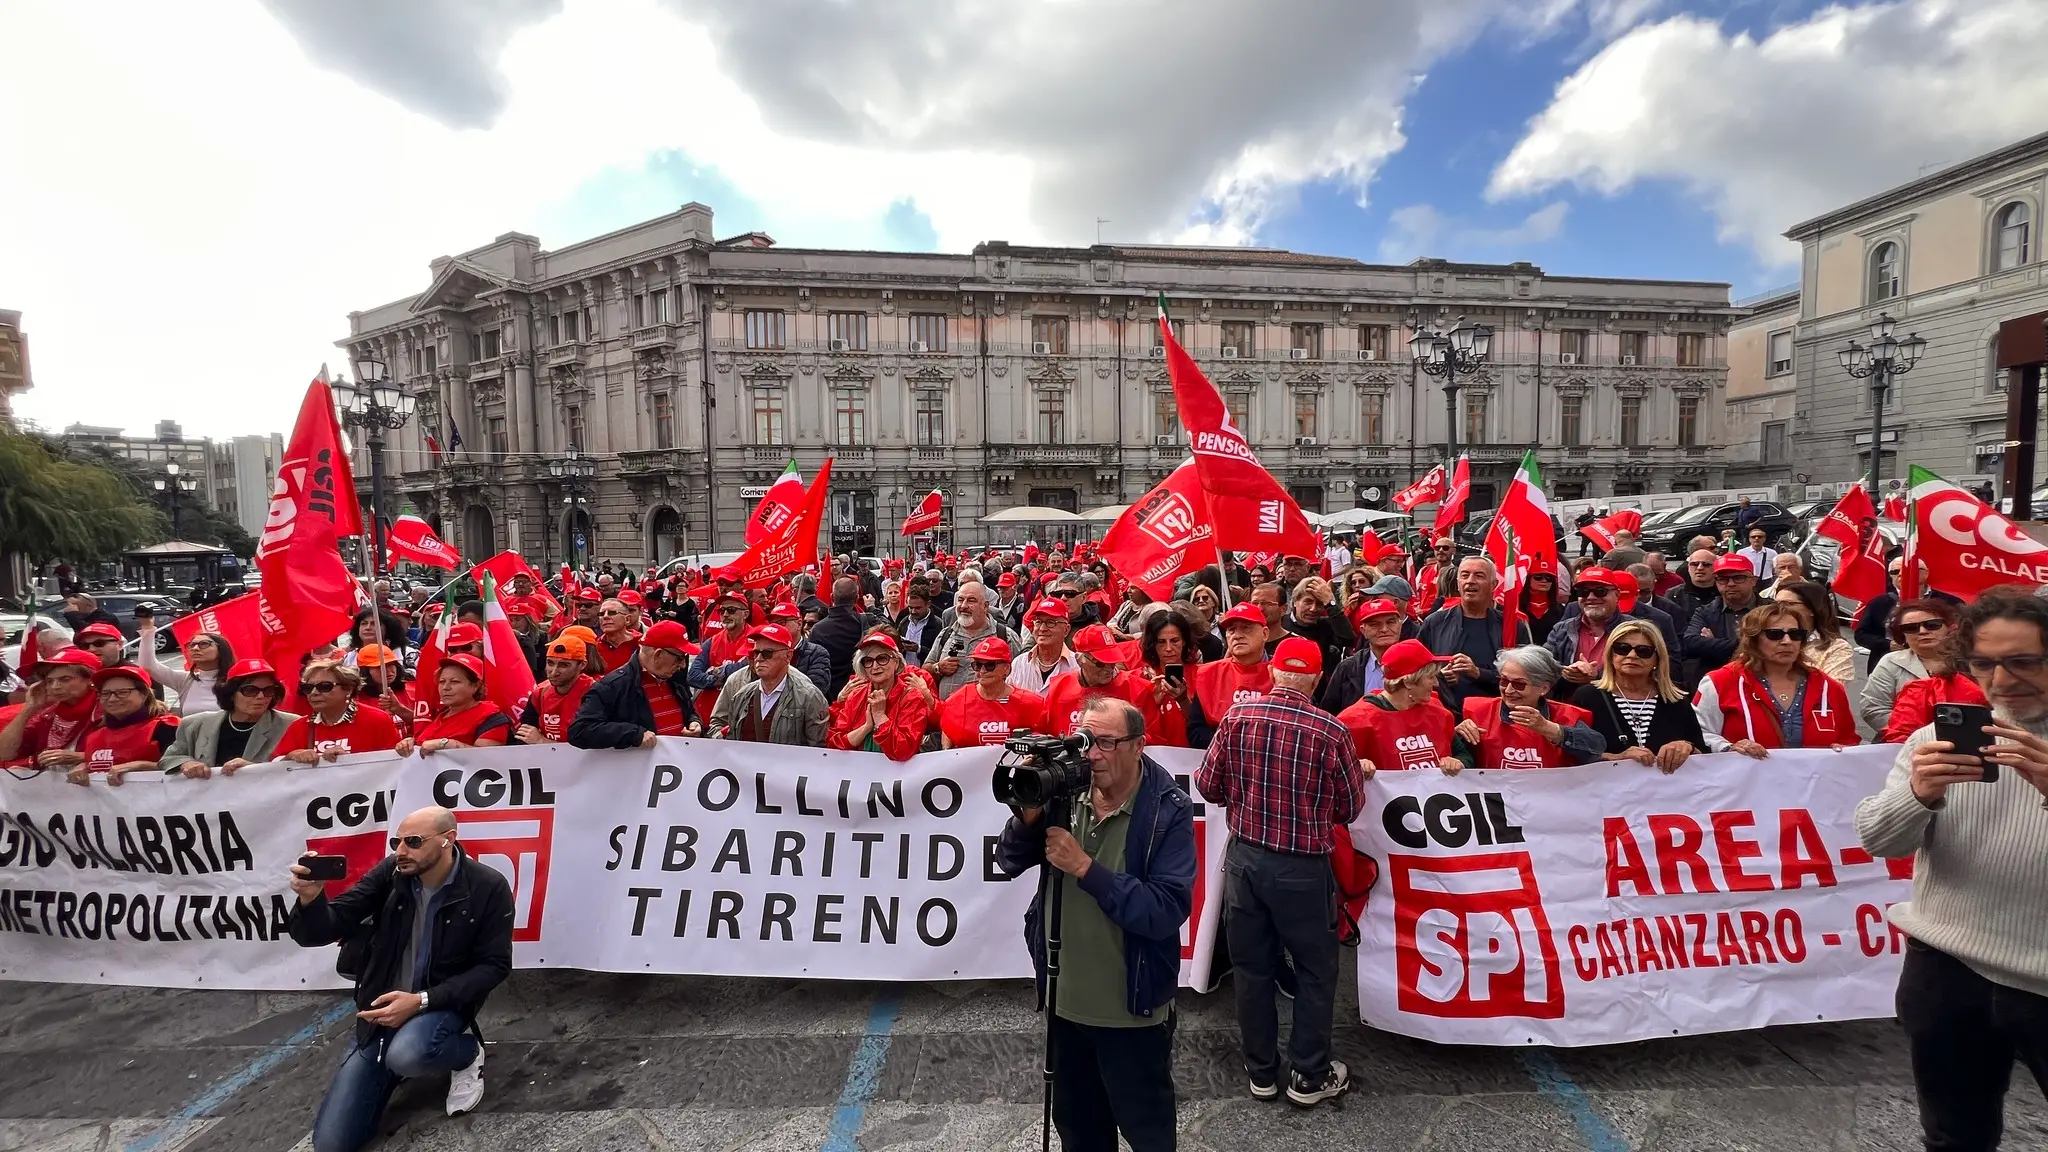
[(1180, 332), (849, 418), (1571, 424), (1996, 377), (1780, 355), (494, 436), (565, 327), (1631, 347), (1373, 427), (433, 358), (1050, 333), (1308, 497), (1372, 342), (650, 308), (930, 418), (1691, 346), (1631, 421), (1774, 444), (1307, 415), (1884, 272), (2013, 234), (1476, 405), (928, 329), (1571, 346), (1688, 421), (765, 328), (1240, 339), (848, 330), (1238, 403), (1166, 416), (572, 418), (664, 421), (768, 416), (486, 345), (1307, 338), (1052, 417)]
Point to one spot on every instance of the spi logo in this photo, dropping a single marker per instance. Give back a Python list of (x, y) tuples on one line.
[(1471, 940), (516, 842), (1168, 518)]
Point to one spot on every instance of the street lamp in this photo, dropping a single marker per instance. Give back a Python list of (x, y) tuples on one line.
[(375, 405), (1886, 357), (572, 472), (170, 486), (1451, 355)]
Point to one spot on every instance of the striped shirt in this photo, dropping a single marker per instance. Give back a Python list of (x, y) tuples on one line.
[(1284, 772)]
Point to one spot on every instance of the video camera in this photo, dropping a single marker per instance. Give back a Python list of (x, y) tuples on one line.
[(1046, 768)]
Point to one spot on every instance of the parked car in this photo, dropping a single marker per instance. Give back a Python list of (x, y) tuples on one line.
[(1823, 553), (121, 606), (1670, 537), (12, 627)]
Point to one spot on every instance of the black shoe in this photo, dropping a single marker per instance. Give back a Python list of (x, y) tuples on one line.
[(1309, 1093), (1265, 1091)]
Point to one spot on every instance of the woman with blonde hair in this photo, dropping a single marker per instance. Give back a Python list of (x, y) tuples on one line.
[(1634, 704), (1771, 695)]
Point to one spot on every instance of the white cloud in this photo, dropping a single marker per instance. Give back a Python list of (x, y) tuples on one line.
[(1420, 230), (1813, 116)]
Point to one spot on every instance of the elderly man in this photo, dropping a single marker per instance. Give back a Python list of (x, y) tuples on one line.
[(1973, 992), (616, 637), (1287, 778), (439, 935), (1521, 729), (972, 623), (1469, 633), (642, 699), (1271, 601), (1380, 623), (1048, 656), (1711, 636), (1216, 686), (766, 703), (1103, 670), (1579, 640)]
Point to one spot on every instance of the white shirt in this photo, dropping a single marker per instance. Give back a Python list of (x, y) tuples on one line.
[(769, 699), (1024, 671), (1339, 557), (1762, 559)]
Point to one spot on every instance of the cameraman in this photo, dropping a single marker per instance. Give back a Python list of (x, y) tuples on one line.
[(1128, 861), (438, 930)]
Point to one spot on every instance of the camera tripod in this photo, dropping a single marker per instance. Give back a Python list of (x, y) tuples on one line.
[(1052, 890)]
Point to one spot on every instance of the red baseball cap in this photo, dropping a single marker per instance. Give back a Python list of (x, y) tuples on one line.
[(1407, 658), (100, 631), (771, 635), (1738, 565), (731, 572), (630, 598), (251, 666), (879, 640), (1300, 654), (521, 606), (668, 634), (590, 595), (1007, 580), (1377, 606), (467, 663), (1598, 575), (1102, 644), (76, 657), (117, 671), (735, 596), (1244, 613), (1045, 607), (992, 648), (463, 634), (784, 610)]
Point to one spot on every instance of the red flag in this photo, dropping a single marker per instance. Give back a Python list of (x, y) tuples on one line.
[(509, 678), (508, 564), (1519, 542), (1894, 507), (31, 653), (307, 597), (1967, 545), (795, 545), (778, 506), (1163, 536), (412, 538), (1371, 549), (926, 515), (1853, 525), (1601, 532), (1248, 510), (569, 586), (238, 621), (1451, 512), (1426, 490)]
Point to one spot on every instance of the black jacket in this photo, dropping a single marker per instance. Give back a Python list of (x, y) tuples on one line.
[(924, 640), (471, 950), (1873, 627), (1710, 652), (615, 712), (838, 634), (1673, 720), (1442, 633)]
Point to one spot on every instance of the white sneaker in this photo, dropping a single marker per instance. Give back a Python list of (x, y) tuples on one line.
[(466, 1085)]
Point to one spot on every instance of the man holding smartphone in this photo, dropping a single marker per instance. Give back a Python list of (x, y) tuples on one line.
[(1973, 992), (438, 929)]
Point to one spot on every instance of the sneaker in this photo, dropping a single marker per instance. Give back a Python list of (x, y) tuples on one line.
[(466, 1085), (1309, 1093), (1265, 1091)]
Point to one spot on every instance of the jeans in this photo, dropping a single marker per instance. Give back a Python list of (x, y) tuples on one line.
[(1964, 1032), (1276, 900), (1111, 1079), (429, 1042)]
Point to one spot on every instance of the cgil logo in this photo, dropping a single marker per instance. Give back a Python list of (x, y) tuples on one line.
[(1169, 519)]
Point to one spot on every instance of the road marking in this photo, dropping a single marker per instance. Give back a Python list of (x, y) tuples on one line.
[(178, 1124), (864, 1073), (1553, 1081)]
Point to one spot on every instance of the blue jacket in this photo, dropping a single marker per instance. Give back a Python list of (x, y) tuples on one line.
[(1150, 899)]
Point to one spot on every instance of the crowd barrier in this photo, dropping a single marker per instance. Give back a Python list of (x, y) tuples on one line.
[(1564, 906)]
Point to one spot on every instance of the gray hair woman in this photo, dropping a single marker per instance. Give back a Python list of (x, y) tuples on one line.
[(1522, 728)]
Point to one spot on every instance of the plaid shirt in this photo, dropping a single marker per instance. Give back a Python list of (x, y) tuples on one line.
[(1285, 773)]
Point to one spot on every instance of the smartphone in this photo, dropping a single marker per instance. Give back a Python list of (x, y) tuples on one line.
[(1962, 726), (1173, 673), (325, 867)]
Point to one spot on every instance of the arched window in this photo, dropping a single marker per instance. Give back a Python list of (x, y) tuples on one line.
[(1884, 272), (2012, 231)]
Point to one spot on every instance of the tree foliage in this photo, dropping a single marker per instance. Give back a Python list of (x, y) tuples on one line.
[(54, 506)]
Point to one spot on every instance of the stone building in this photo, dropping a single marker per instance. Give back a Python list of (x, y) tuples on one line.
[(685, 371), (14, 373), (1949, 256), (1763, 390)]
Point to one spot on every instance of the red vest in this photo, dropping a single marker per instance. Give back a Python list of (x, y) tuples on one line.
[(467, 725), (724, 650), (1221, 683), (614, 655), (555, 710), (1749, 713), (1506, 745), (105, 747), (967, 718), (1065, 697), (1415, 737)]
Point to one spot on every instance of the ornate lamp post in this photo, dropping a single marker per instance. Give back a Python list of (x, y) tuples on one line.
[(572, 473), (1886, 358), (1451, 355), (375, 405), (170, 486)]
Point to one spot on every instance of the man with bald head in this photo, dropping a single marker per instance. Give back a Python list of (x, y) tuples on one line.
[(429, 934)]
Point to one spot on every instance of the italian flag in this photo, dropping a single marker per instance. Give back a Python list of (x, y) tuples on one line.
[(1520, 540), (509, 677), (778, 507)]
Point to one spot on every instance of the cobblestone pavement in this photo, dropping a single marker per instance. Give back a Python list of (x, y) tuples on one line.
[(592, 1062)]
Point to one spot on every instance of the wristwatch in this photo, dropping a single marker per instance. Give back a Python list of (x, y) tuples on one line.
[(423, 1001)]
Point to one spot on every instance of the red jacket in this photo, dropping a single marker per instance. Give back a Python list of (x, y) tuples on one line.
[(145, 739), (902, 728), (1166, 724), (1417, 737), (1505, 745), (1733, 704), (1913, 707)]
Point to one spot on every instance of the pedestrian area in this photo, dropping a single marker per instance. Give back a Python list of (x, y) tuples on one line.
[(593, 1062)]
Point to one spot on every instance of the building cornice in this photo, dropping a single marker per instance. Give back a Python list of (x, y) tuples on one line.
[(1962, 175)]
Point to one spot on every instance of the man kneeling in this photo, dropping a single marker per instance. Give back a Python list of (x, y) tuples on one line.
[(438, 926)]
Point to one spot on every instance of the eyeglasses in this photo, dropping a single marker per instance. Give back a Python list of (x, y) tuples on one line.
[(307, 689), (1514, 685), (1922, 627), (118, 693), (252, 691), (1645, 651), (1699, 563), (201, 642), (611, 612), (1983, 666), (875, 661), (769, 653), (413, 842), (987, 665), (1799, 634), (1109, 744)]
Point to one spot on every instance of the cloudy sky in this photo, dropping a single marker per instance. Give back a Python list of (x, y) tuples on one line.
[(193, 196)]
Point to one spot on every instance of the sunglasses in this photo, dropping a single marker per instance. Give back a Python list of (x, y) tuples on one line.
[(1645, 651), (1514, 685), (252, 691), (1799, 634), (875, 661), (988, 665), (307, 689), (1922, 627), (413, 842), (200, 643), (1066, 593), (1591, 591), (1699, 563), (612, 612)]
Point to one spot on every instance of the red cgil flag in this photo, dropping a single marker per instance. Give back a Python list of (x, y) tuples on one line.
[(1248, 509), (1451, 512), (1967, 545), (1601, 532), (1895, 507), (1859, 567), (308, 596), (508, 564), (926, 515), (238, 621), (412, 538), (779, 505), (1427, 489), (1163, 536), (795, 546)]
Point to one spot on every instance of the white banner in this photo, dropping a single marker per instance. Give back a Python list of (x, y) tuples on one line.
[(697, 856), (1610, 903)]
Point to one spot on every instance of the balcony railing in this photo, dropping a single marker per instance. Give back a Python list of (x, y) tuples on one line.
[(573, 355), (1307, 451), (665, 460), (769, 455), (654, 336)]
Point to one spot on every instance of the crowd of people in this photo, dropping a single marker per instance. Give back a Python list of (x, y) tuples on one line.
[(1300, 680)]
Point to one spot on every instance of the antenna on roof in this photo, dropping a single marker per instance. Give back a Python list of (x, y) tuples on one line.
[(1099, 222)]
